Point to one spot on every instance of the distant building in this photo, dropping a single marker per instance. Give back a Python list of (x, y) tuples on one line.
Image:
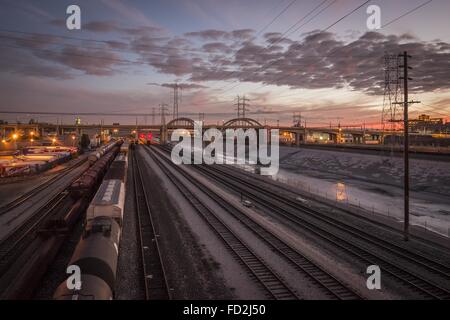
[(424, 124)]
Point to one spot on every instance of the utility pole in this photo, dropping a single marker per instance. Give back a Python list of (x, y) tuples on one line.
[(406, 103)]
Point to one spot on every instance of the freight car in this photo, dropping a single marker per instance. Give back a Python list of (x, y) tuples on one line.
[(96, 255), (108, 201), (94, 157), (118, 168), (88, 182), (97, 252)]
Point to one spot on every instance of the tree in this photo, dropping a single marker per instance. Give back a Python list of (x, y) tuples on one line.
[(85, 141)]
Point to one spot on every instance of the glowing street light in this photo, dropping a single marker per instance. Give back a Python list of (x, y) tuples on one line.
[(3, 141), (14, 136), (54, 140)]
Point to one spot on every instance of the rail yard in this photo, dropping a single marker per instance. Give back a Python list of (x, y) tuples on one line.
[(258, 159), (139, 226)]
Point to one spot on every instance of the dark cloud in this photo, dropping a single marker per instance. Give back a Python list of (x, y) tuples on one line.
[(36, 55), (58, 22), (210, 34), (101, 26), (24, 63), (184, 86), (319, 60), (242, 33), (219, 47)]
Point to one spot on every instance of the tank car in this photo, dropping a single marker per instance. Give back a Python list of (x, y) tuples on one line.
[(96, 255)]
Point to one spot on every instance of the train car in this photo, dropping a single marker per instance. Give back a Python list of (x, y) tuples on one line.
[(96, 255), (108, 201), (118, 168), (124, 148), (92, 288), (91, 178), (97, 155)]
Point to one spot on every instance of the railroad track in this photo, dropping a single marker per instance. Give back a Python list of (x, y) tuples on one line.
[(13, 245), (348, 238), (290, 193), (327, 283), (155, 279), (41, 187)]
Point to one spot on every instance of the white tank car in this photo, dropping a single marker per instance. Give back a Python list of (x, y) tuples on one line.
[(108, 201)]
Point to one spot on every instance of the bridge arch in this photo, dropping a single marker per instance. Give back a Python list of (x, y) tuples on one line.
[(242, 123), (184, 123)]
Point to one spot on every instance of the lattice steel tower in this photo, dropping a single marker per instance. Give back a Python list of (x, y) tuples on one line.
[(392, 111)]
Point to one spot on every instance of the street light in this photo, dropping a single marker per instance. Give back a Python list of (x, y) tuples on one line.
[(73, 141), (53, 140), (14, 136)]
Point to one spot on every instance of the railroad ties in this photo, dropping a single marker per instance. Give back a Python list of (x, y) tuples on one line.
[(275, 286)]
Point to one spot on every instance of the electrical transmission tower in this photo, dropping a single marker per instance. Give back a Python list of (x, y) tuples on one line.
[(153, 115), (238, 106), (297, 119), (244, 106), (392, 111), (163, 108), (176, 99), (241, 106)]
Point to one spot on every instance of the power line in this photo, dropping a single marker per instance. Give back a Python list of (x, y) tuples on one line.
[(271, 45), (407, 13), (295, 71), (265, 27), (396, 19), (276, 17), (333, 24), (431, 110), (265, 67)]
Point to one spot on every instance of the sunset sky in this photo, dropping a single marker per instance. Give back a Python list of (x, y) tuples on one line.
[(284, 55)]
